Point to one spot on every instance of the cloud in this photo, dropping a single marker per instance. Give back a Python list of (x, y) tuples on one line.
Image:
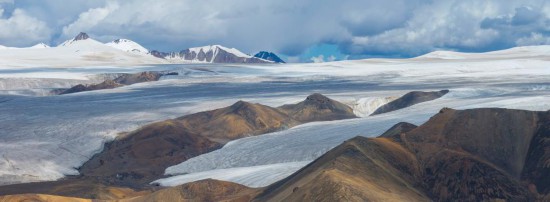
[(88, 20), (533, 39), (454, 25), (321, 58), (20, 29), (318, 59), (359, 28), (523, 16)]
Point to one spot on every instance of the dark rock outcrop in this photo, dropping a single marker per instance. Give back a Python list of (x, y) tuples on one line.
[(107, 84), (81, 36), (269, 56), (409, 99), (129, 79), (317, 107), (458, 155), (124, 79), (159, 54)]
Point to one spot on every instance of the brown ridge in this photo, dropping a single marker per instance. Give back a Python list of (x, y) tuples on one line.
[(458, 155)]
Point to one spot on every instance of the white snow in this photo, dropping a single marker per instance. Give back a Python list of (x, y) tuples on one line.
[(72, 53), (205, 49), (363, 107), (252, 176), (46, 138), (128, 46), (40, 45), (215, 49)]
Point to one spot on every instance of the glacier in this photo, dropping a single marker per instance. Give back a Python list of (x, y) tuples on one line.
[(49, 137)]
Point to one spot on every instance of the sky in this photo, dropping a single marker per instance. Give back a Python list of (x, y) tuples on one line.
[(299, 31)]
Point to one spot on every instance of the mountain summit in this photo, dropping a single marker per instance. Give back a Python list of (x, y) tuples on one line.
[(81, 36), (128, 46), (269, 56)]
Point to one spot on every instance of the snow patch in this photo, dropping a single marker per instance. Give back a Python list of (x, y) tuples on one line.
[(253, 176)]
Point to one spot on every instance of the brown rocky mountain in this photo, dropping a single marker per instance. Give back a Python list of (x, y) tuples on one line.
[(203, 190), (408, 100), (458, 155), (40, 198), (124, 79), (401, 127), (71, 188), (129, 79), (107, 84), (239, 120), (360, 169), (141, 156), (317, 107)]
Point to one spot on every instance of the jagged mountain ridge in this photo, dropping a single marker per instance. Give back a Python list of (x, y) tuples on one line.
[(212, 54)]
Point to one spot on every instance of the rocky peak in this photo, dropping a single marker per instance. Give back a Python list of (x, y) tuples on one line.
[(317, 107), (317, 99), (269, 56), (241, 106), (81, 36), (158, 54)]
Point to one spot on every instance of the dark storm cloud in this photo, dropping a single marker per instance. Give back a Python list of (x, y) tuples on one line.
[(361, 28)]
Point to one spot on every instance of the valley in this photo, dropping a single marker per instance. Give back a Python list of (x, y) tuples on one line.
[(44, 146)]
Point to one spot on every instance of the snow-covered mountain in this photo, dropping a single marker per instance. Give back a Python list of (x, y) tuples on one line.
[(40, 45), (521, 51), (212, 54), (79, 51), (85, 51), (80, 37), (128, 46), (269, 56)]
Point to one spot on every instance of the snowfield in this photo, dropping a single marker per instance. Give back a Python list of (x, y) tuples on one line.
[(48, 137)]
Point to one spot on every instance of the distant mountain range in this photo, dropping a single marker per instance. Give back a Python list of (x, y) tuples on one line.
[(212, 54), (104, 53)]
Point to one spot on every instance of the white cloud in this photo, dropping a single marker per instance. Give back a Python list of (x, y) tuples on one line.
[(293, 59), (359, 27), (318, 59), (20, 29), (321, 58), (533, 39), (88, 20)]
